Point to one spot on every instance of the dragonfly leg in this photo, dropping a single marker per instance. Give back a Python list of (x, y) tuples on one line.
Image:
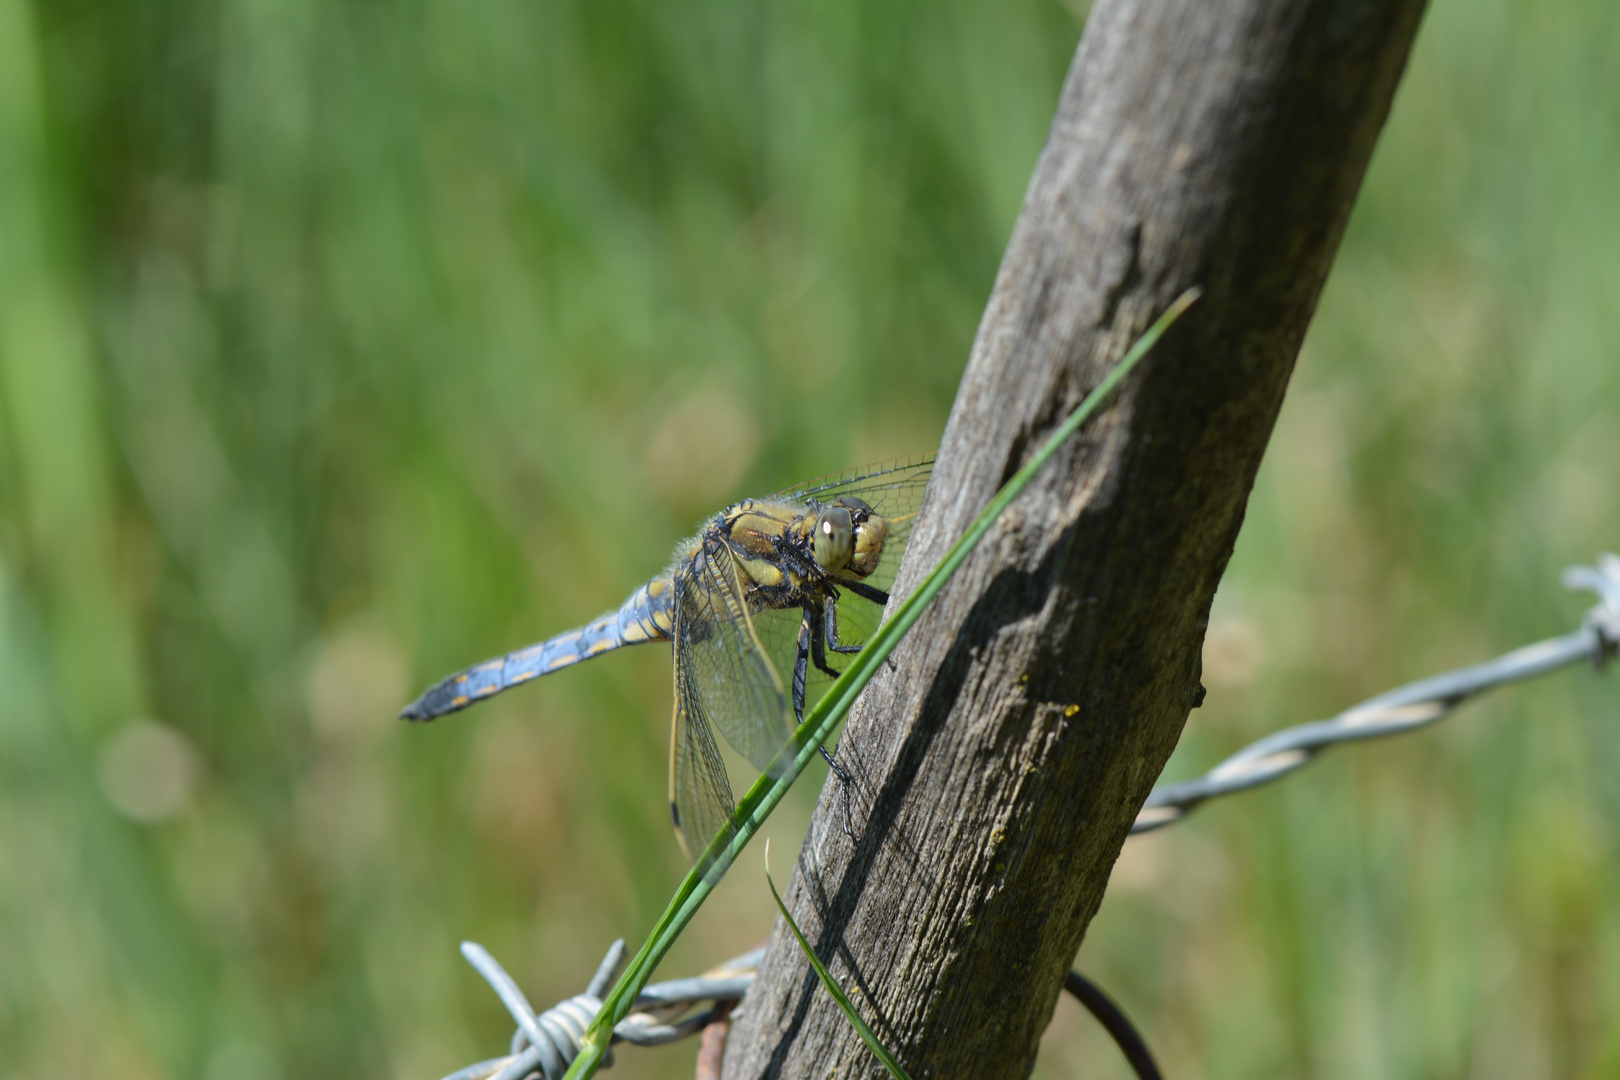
[(865, 592), (801, 665), (831, 631), (810, 648), (845, 782), (811, 643), (818, 642)]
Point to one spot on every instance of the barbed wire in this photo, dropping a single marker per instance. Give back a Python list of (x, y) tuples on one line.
[(545, 1044), (1403, 709)]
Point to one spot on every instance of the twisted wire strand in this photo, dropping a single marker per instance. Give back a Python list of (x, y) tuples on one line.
[(545, 1044), (1403, 709)]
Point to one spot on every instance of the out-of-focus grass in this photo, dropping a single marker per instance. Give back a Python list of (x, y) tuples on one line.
[(342, 345)]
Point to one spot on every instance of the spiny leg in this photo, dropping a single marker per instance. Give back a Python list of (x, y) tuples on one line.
[(818, 641), (865, 592), (812, 645), (801, 664), (832, 632)]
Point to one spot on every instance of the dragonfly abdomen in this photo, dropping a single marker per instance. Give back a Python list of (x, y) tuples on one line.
[(647, 616)]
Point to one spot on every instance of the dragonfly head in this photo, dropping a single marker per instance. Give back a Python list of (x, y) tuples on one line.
[(847, 537)]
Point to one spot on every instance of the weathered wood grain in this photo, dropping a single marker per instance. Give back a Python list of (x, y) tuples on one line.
[(1004, 752)]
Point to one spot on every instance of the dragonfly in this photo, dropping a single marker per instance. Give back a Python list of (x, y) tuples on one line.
[(767, 586)]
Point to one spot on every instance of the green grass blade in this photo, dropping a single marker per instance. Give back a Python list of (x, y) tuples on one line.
[(773, 785), (868, 1036)]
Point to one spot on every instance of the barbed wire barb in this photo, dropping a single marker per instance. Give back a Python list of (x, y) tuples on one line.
[(545, 1044)]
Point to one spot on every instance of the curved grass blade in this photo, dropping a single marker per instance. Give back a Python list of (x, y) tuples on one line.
[(868, 1036), (819, 723)]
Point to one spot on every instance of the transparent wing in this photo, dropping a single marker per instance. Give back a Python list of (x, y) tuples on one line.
[(894, 490), (723, 679), (700, 801)]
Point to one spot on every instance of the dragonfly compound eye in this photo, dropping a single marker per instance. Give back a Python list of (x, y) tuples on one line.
[(835, 538), (869, 537)]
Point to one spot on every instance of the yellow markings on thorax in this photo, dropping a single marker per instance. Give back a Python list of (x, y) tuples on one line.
[(754, 528), (761, 572)]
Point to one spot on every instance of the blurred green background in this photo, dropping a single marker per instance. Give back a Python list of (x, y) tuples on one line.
[(344, 344)]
